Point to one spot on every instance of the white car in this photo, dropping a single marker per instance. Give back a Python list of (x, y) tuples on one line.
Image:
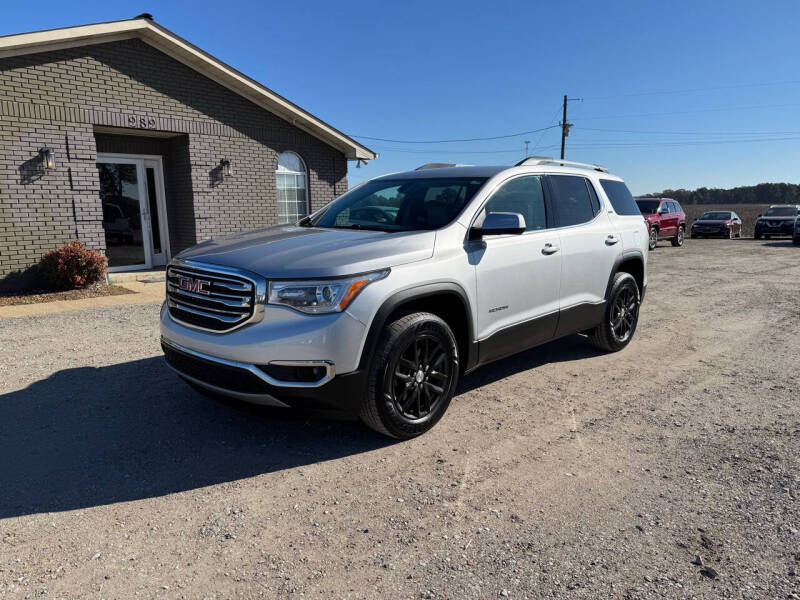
[(460, 267)]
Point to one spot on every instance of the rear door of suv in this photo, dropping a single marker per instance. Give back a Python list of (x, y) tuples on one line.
[(624, 213), (590, 244)]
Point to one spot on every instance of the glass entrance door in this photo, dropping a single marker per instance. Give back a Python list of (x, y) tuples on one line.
[(134, 213)]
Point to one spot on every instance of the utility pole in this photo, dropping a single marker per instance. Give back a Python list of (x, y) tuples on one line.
[(526, 146), (564, 127)]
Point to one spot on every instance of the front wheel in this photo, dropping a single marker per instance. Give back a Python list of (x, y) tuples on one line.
[(413, 376), (756, 236), (678, 239), (621, 315), (653, 238), (796, 239)]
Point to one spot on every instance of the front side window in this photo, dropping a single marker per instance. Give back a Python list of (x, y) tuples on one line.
[(292, 183), (522, 195), (402, 204), (573, 204)]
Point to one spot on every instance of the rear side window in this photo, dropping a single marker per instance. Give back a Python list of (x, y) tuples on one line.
[(676, 207), (572, 200), (593, 197), (522, 195), (620, 197)]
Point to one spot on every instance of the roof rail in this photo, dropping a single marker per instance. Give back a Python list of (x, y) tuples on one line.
[(545, 160), (438, 166)]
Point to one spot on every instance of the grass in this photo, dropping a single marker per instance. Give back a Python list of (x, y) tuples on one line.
[(39, 296)]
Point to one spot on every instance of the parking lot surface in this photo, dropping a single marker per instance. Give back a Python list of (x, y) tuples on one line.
[(669, 469)]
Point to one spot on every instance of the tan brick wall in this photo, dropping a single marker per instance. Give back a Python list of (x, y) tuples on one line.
[(57, 98)]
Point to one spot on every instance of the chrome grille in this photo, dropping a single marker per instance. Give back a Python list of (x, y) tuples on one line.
[(213, 298)]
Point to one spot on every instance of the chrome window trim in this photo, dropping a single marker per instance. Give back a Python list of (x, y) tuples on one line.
[(258, 282), (329, 366)]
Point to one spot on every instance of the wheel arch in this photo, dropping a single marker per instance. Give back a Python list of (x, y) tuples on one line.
[(446, 300), (631, 262)]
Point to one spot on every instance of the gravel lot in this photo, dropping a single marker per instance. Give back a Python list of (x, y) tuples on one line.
[(558, 473)]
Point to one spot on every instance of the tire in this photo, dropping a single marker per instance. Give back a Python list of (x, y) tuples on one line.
[(756, 236), (693, 236), (653, 242), (624, 292), (766, 237), (677, 241), (413, 376), (796, 240)]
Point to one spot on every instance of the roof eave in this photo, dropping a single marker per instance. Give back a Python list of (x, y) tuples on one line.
[(192, 56)]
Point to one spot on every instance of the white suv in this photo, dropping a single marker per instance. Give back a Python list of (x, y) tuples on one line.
[(377, 303)]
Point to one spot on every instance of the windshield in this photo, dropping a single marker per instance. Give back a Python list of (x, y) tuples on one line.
[(781, 211), (390, 205), (716, 216), (648, 207)]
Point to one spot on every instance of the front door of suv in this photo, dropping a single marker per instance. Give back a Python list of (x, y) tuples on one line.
[(590, 246), (518, 276)]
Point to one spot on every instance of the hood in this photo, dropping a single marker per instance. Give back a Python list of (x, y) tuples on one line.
[(288, 251)]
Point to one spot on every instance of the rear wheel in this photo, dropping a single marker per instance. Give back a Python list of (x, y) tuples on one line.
[(678, 239), (413, 376), (653, 238), (621, 315)]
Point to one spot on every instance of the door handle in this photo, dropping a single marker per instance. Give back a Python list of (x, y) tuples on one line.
[(550, 249), (611, 240)]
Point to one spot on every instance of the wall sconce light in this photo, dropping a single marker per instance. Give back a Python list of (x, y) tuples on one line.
[(47, 158), (225, 168)]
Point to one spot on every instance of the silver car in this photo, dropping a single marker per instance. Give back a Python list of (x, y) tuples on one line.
[(379, 302)]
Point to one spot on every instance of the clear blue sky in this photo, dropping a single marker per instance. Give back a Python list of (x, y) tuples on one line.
[(440, 70)]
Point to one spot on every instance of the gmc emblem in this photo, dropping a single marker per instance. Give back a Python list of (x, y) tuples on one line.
[(197, 286)]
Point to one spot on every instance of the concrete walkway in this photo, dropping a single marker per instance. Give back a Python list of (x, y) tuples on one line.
[(144, 293)]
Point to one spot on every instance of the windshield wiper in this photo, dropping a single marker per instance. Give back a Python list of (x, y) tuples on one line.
[(360, 227)]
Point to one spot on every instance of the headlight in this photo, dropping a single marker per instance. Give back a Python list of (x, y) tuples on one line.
[(323, 295)]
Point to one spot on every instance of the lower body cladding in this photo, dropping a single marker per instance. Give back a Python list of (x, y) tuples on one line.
[(287, 359)]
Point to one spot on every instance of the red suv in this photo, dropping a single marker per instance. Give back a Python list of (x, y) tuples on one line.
[(665, 220)]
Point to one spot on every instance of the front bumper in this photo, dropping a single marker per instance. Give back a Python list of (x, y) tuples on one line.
[(782, 229), (242, 363), (710, 230)]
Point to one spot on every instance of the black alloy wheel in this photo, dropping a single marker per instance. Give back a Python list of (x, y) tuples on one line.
[(412, 377), (420, 377), (623, 314)]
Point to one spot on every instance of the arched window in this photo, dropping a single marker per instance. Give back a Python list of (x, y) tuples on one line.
[(292, 181)]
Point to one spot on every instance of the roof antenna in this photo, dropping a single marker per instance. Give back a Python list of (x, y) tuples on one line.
[(147, 16)]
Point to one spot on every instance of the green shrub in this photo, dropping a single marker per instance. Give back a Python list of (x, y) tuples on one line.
[(72, 266)]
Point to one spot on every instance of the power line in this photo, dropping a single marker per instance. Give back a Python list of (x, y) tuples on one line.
[(690, 132), (477, 139), (687, 112), (702, 89)]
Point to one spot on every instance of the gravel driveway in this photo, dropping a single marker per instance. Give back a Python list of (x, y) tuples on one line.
[(667, 470)]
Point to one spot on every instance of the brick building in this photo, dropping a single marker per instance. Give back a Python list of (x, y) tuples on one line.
[(138, 143)]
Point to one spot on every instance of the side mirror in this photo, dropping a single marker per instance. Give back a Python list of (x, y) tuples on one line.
[(499, 223)]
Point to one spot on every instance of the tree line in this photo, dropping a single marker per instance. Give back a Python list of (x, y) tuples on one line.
[(763, 193)]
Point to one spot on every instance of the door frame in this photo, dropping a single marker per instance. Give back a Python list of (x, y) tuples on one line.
[(144, 204)]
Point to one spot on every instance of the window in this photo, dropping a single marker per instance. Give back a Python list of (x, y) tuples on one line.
[(522, 195), (292, 183), (593, 197), (572, 201), (622, 200), (402, 204), (665, 208), (673, 207)]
